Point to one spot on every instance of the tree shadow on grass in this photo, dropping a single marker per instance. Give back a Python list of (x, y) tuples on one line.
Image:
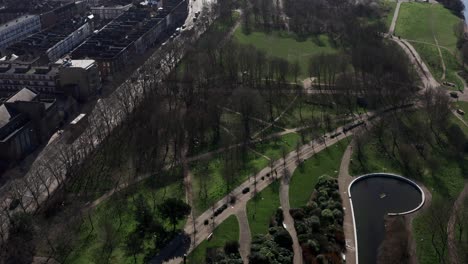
[(177, 247)]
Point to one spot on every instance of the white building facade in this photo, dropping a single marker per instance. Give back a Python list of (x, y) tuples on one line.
[(70, 42), (109, 12), (18, 29)]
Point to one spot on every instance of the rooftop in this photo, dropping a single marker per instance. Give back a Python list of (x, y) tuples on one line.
[(85, 64), (16, 21), (39, 43), (24, 95), (8, 68), (116, 36)]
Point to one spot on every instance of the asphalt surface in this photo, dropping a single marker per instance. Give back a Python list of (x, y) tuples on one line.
[(49, 170)]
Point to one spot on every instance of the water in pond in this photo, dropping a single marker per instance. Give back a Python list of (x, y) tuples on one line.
[(373, 198)]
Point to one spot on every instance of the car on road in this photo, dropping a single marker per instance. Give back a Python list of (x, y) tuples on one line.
[(454, 95), (460, 112), (449, 84)]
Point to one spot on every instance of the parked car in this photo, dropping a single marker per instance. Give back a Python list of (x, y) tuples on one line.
[(460, 112), (454, 94)]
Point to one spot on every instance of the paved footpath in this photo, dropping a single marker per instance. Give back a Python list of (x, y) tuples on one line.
[(288, 219), (202, 231), (452, 244), (344, 179), (245, 237)]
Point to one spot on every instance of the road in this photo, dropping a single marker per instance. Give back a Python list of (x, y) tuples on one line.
[(48, 172), (199, 232)]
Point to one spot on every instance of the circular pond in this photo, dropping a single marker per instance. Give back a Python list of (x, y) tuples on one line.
[(374, 196)]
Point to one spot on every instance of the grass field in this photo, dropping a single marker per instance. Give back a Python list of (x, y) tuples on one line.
[(307, 174), (389, 9), (286, 46), (89, 248), (262, 207), (420, 23), (463, 106), (209, 185), (227, 231)]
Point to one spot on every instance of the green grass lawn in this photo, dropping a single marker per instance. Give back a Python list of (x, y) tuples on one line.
[(389, 9), (419, 21), (209, 185), (90, 242), (430, 56), (273, 148), (262, 207), (227, 231), (286, 46), (307, 174), (463, 106)]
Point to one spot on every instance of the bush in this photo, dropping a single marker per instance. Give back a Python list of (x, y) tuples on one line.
[(337, 214), (283, 239), (315, 223), (297, 213), (327, 214), (231, 247)]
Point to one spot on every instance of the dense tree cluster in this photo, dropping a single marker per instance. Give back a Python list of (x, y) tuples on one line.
[(308, 18), (19, 248), (149, 228), (319, 225), (274, 247), (414, 140), (456, 6), (229, 254)]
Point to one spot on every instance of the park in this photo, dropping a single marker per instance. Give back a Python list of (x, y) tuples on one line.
[(254, 147)]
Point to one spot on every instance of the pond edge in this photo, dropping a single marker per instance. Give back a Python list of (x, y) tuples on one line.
[(387, 175)]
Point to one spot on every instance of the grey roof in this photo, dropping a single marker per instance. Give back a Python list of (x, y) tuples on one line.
[(5, 115), (25, 95)]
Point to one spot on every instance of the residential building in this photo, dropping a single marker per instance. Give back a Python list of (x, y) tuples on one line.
[(131, 34), (65, 10), (109, 12), (14, 77), (79, 78), (25, 122), (52, 43), (18, 29)]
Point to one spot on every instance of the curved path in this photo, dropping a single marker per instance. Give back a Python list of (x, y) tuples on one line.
[(423, 71), (437, 44), (452, 245), (200, 232), (344, 179), (245, 237), (395, 18), (288, 221), (451, 240)]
